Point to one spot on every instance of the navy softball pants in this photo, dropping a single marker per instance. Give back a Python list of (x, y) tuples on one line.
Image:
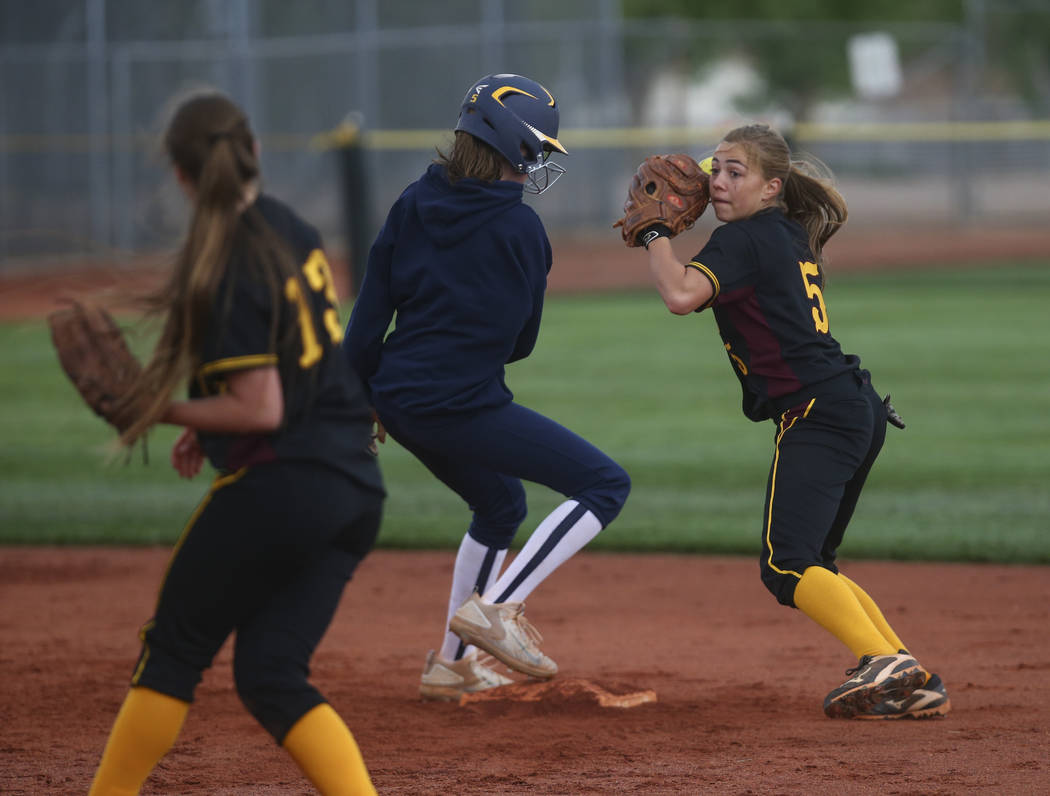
[(484, 456)]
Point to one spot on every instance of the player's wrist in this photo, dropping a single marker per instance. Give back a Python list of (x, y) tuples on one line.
[(651, 233)]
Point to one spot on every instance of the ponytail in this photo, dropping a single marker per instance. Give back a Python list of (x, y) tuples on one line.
[(807, 195), (814, 203), (212, 149)]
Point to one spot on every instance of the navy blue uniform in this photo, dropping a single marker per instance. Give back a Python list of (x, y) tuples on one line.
[(291, 513), (770, 310), (464, 268)]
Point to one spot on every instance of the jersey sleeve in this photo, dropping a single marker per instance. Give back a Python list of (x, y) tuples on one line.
[(240, 338), (728, 260)]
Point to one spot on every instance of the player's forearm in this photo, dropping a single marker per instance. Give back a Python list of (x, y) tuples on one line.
[(220, 414), (252, 403), (682, 289)]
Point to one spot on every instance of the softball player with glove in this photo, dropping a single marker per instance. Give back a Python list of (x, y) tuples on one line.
[(250, 322), (761, 274), (462, 262)]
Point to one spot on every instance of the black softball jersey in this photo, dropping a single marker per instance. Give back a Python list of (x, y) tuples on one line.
[(769, 307), (327, 418)]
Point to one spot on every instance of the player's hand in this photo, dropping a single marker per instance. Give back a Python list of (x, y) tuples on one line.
[(378, 435), (187, 456)]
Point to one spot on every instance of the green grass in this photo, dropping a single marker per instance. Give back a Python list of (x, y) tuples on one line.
[(965, 353)]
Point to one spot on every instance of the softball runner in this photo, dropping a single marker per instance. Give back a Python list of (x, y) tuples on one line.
[(250, 321), (761, 274), (462, 262)]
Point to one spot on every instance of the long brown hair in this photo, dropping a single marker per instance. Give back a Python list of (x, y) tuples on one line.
[(210, 143), (808, 194), (471, 157)]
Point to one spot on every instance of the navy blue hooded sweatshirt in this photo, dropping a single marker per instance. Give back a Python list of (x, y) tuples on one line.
[(464, 266)]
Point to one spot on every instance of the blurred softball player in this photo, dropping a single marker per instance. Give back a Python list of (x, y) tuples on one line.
[(462, 262), (761, 274), (250, 321)]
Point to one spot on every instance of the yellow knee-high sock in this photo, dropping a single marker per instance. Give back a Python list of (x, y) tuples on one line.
[(874, 614), (322, 746), (827, 600), (146, 726)]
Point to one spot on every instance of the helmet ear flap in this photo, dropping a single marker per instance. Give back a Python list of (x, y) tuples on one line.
[(530, 152)]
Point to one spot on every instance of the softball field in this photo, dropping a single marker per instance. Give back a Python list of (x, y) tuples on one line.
[(738, 683)]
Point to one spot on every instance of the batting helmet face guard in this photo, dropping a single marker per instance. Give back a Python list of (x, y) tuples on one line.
[(518, 118)]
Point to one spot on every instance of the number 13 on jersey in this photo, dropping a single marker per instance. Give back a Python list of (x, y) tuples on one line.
[(319, 278), (820, 312)]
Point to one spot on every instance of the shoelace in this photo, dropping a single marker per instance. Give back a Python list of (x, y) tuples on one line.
[(860, 665), (531, 633)]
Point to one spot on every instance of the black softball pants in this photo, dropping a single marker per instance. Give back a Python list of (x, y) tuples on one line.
[(824, 448), (266, 555)]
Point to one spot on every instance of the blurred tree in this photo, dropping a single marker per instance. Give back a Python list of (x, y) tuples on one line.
[(802, 10), (783, 49), (1018, 35), (1014, 36)]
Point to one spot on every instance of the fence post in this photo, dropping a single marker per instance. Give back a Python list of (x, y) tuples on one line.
[(348, 142)]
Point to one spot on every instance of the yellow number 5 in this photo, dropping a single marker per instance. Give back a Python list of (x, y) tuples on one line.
[(820, 312)]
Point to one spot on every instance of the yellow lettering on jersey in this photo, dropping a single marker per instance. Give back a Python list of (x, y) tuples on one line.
[(312, 350), (319, 276), (820, 312), (737, 360), (331, 323)]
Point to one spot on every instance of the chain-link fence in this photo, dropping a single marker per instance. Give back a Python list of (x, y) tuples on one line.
[(85, 86)]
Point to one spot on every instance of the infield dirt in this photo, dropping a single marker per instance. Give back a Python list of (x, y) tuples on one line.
[(738, 681)]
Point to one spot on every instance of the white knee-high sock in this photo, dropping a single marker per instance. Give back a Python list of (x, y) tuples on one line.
[(477, 566), (557, 539)]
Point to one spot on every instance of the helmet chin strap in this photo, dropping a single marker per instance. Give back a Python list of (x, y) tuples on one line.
[(541, 176)]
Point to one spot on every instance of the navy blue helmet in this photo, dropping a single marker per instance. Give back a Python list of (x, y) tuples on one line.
[(518, 118)]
